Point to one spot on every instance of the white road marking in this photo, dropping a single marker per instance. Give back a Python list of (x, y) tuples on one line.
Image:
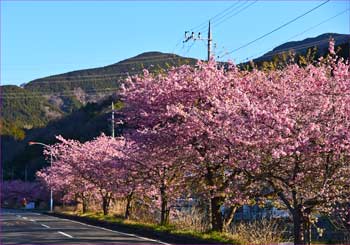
[(65, 234), (24, 217), (46, 226), (32, 220), (118, 232)]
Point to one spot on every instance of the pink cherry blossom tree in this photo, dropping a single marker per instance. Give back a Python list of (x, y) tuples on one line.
[(93, 166), (297, 131), (175, 120), (65, 182)]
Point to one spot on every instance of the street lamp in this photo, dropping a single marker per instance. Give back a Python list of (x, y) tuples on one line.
[(48, 147)]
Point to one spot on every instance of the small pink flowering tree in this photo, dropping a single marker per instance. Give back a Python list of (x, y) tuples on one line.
[(93, 166), (62, 179)]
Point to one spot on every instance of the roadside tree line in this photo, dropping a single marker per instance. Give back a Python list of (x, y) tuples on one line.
[(225, 135)]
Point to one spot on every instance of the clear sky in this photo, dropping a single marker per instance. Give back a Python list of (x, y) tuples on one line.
[(42, 38)]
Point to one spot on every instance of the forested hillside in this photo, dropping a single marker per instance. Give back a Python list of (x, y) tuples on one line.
[(19, 160), (23, 109)]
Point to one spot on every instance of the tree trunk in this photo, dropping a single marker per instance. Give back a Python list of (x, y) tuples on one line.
[(85, 205), (298, 227), (105, 204), (164, 215), (217, 217), (209, 215), (307, 223), (228, 219), (128, 205)]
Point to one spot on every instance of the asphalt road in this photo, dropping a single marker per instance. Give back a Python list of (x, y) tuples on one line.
[(21, 227)]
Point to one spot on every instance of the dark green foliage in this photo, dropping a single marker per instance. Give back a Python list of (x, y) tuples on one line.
[(83, 124), (22, 109)]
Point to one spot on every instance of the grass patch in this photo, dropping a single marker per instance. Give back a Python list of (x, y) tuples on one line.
[(216, 237)]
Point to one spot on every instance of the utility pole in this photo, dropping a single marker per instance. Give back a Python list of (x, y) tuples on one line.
[(194, 37), (112, 119), (210, 39)]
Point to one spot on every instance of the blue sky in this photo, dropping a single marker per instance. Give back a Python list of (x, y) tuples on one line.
[(42, 38)]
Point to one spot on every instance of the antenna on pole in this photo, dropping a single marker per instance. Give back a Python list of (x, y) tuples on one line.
[(197, 36), (112, 119)]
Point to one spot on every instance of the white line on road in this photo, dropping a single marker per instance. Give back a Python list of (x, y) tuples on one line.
[(24, 217), (32, 220), (65, 234), (46, 226), (118, 232)]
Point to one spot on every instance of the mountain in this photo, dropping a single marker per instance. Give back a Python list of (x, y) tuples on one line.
[(42, 100), (301, 47), (74, 104), (71, 90)]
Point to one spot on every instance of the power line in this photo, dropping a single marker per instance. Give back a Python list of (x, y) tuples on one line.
[(203, 24), (297, 47), (317, 25), (64, 93), (219, 18), (304, 31), (94, 78), (82, 79), (240, 4), (276, 29), (225, 10), (236, 13), (155, 58), (131, 60)]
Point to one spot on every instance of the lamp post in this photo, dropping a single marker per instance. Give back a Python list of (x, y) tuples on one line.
[(48, 147)]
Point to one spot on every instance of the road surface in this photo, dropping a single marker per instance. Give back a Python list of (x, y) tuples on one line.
[(21, 227)]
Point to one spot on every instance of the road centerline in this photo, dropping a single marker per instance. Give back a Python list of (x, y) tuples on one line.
[(46, 226), (65, 234)]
